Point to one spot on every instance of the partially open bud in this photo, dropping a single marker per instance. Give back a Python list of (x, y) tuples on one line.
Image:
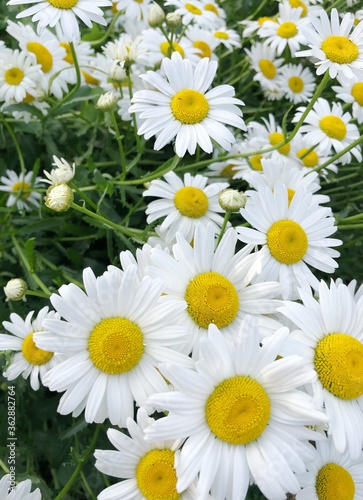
[(156, 16), (59, 198), (173, 20), (15, 289), (63, 172), (232, 200), (107, 101)]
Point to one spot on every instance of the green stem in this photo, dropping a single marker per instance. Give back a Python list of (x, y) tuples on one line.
[(338, 155), (17, 147), (155, 175), (134, 123), (224, 225), (80, 465), (37, 294), (99, 41), (349, 226), (86, 198), (120, 145)]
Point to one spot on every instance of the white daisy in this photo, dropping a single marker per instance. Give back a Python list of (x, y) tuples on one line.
[(286, 32), (194, 12), (19, 75), (227, 37), (116, 333), (252, 26), (242, 414), (35, 101), (185, 204), (330, 337), (65, 12), (203, 41), (147, 469), (331, 41), (298, 83), (158, 47), (182, 107), (28, 359), (63, 172), (263, 60), (330, 127), (291, 236), (125, 50), (309, 156), (332, 475), (19, 492), (214, 282), (20, 189), (212, 6), (135, 10), (351, 91)]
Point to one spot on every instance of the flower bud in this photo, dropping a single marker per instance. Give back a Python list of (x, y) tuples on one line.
[(59, 198), (15, 289), (232, 200), (156, 16), (173, 20), (107, 101), (117, 72)]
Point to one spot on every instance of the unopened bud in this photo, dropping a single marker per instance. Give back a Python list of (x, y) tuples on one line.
[(156, 16), (59, 198), (232, 200), (15, 289), (117, 72), (173, 20), (107, 101)]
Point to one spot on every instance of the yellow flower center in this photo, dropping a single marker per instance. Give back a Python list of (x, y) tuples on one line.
[(256, 162), (221, 34), (189, 106), (68, 58), (139, 1), (32, 353), (290, 195), (156, 476), (333, 127), (211, 8), (339, 365), (91, 80), (267, 68), (21, 186), (193, 9), (166, 49), (115, 345), (238, 410), (211, 298), (310, 159), (296, 84), (63, 4), (203, 47), (14, 76), (295, 4), (263, 19), (287, 241), (28, 99), (228, 170), (333, 482), (287, 30), (191, 202), (42, 54), (340, 49), (277, 137), (357, 92)]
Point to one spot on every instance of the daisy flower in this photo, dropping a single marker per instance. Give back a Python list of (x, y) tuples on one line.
[(286, 32), (20, 189), (351, 91), (28, 359), (298, 83), (158, 47), (148, 469), (20, 492), (19, 75), (331, 42), (64, 12), (309, 156), (242, 415), (185, 204), (182, 107), (115, 333), (194, 13), (332, 475), (203, 41), (227, 37), (329, 126), (263, 61), (292, 236), (63, 172), (214, 282), (330, 337), (251, 26), (135, 10), (212, 6)]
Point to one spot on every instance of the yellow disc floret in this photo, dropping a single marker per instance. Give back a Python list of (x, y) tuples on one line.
[(222, 35), (13, 76), (340, 49), (296, 84), (42, 54), (333, 482), (191, 202), (287, 30), (211, 298), (267, 68), (63, 4), (193, 9), (156, 476), (295, 4), (238, 410), (189, 106), (309, 158), (287, 241), (203, 47), (21, 186), (32, 353), (339, 364), (333, 127), (115, 345), (357, 93), (290, 195), (68, 58), (256, 162), (211, 8), (277, 137), (167, 50)]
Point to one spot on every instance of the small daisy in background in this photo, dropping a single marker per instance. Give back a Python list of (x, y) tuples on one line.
[(332, 475), (229, 38), (203, 42), (351, 91), (28, 360), (298, 83), (22, 491), (64, 12), (194, 12), (20, 189), (182, 107), (242, 415), (19, 75), (134, 10), (309, 156), (263, 60), (147, 469), (337, 48), (185, 204)]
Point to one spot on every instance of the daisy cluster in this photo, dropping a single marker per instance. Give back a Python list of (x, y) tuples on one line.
[(176, 269)]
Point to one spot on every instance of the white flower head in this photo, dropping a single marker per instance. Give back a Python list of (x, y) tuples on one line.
[(20, 491), (63, 173), (20, 190)]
